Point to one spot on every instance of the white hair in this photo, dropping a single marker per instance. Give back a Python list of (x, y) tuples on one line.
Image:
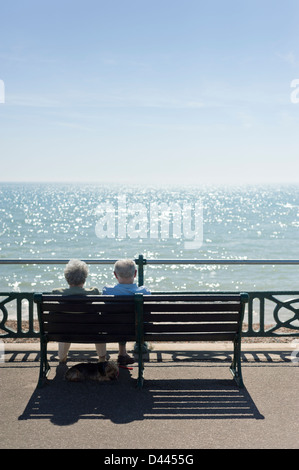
[(125, 268), (76, 272)]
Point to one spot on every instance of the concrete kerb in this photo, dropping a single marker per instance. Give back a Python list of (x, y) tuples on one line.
[(154, 347)]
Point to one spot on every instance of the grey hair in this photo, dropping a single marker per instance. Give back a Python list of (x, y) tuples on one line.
[(76, 272), (125, 268)]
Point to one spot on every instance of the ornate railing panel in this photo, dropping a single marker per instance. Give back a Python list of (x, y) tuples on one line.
[(18, 315), (272, 314)]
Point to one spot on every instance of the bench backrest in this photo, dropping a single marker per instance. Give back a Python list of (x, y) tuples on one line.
[(215, 317), (104, 319), (86, 319)]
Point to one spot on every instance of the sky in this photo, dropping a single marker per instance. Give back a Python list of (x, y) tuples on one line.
[(149, 91)]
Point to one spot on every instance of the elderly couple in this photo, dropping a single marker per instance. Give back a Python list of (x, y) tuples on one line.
[(75, 273)]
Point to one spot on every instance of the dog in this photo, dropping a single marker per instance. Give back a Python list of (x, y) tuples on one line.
[(98, 371)]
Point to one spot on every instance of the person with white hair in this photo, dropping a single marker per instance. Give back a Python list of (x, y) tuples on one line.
[(75, 273), (125, 271)]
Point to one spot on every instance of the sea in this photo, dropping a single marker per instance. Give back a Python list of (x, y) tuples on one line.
[(57, 221)]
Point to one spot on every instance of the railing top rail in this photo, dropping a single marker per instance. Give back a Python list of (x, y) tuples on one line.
[(221, 261), (159, 261), (54, 261)]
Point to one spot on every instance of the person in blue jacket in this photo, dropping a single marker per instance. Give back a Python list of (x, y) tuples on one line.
[(125, 271)]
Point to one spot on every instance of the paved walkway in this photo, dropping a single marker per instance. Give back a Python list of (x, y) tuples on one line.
[(189, 401)]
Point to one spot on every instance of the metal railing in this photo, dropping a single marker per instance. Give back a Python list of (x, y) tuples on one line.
[(255, 316)]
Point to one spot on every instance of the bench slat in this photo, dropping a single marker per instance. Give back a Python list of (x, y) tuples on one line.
[(150, 298), (191, 327), (191, 317), (196, 307), (85, 298), (88, 338), (189, 337), (192, 298), (83, 318), (87, 307), (89, 328)]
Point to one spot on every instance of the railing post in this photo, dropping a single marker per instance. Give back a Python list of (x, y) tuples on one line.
[(140, 263)]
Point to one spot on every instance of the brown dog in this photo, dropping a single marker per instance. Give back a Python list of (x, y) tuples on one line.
[(98, 371)]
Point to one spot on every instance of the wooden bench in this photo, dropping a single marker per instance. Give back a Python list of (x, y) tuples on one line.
[(140, 318)]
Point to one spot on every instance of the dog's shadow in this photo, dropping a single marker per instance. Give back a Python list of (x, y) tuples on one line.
[(65, 403)]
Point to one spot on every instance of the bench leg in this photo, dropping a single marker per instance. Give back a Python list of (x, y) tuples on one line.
[(139, 337), (44, 368), (235, 367), (237, 375), (139, 347)]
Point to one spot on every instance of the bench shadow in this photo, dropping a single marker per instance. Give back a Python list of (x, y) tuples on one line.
[(65, 403), (257, 356)]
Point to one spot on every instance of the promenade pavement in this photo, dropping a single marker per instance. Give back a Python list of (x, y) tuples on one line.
[(189, 400)]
